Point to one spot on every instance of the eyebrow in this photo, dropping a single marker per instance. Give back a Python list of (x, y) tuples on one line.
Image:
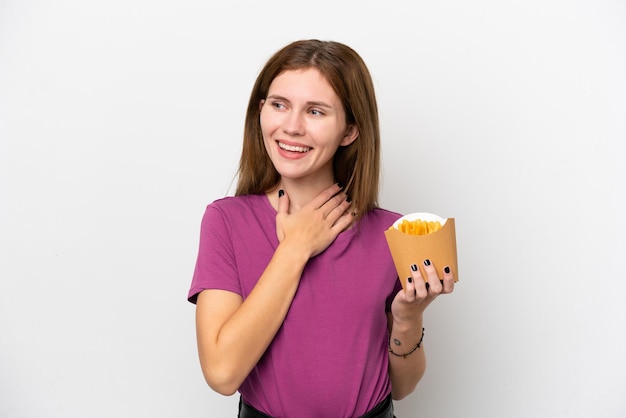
[(310, 103)]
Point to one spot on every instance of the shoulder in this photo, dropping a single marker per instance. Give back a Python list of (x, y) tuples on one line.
[(234, 213), (229, 203), (376, 221), (380, 216), (230, 206)]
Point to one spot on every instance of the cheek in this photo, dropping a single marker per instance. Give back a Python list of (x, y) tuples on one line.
[(267, 124), (266, 133)]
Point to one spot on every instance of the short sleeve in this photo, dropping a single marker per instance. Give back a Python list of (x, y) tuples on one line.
[(396, 289), (216, 267)]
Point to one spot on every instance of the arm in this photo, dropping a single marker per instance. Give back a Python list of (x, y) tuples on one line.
[(233, 333), (405, 327)]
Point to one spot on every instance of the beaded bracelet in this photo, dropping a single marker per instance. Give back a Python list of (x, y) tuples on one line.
[(419, 343)]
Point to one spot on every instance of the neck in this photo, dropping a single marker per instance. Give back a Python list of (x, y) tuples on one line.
[(302, 191)]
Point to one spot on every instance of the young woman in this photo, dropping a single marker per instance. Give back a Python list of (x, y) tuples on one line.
[(298, 303)]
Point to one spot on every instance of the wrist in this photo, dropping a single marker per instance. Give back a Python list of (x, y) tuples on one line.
[(405, 326), (295, 249), (296, 254)]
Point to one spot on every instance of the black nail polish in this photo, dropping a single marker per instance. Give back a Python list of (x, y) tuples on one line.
[(427, 285), (414, 267), (446, 269), (281, 192), (427, 262), (441, 281), (348, 199), (410, 279), (340, 185)]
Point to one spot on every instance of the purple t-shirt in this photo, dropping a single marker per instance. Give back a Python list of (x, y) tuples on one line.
[(329, 357)]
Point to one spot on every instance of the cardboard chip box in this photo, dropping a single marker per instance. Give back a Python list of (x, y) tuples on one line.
[(439, 247)]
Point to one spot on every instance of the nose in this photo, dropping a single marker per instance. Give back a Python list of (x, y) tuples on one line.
[(293, 124)]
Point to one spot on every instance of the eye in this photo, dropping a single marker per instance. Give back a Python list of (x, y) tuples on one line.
[(277, 105), (316, 112)]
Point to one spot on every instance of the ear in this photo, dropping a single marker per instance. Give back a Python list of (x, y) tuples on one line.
[(352, 133)]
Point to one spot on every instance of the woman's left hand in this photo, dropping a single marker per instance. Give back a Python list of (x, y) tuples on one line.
[(407, 364), (409, 304)]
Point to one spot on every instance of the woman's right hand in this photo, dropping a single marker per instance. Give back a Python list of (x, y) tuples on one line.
[(316, 225)]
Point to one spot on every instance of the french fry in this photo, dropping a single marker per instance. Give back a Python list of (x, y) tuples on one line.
[(418, 227)]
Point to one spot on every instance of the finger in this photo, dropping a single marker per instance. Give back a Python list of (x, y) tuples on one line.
[(448, 280), (409, 290), (421, 291), (325, 195), (283, 202), (435, 286), (336, 207), (344, 221)]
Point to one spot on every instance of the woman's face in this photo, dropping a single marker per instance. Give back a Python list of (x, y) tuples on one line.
[(303, 123)]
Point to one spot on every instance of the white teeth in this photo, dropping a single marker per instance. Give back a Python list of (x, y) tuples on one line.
[(293, 148)]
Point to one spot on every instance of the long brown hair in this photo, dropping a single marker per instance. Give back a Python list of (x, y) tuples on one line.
[(356, 166)]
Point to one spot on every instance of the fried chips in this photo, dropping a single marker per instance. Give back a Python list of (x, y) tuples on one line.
[(417, 227)]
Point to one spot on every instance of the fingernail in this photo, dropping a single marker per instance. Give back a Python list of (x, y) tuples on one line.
[(410, 279), (446, 269), (414, 267), (427, 285), (340, 185), (441, 281), (348, 199), (281, 192), (427, 262)]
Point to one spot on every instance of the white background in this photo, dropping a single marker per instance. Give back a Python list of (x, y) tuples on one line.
[(121, 120)]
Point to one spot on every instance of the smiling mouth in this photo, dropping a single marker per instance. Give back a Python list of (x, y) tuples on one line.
[(293, 148)]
